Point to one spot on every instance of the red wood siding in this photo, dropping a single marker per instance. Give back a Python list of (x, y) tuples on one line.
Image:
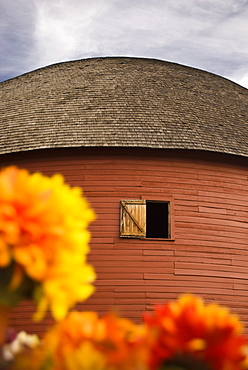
[(208, 255)]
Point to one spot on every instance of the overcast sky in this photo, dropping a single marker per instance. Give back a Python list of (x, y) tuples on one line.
[(207, 34)]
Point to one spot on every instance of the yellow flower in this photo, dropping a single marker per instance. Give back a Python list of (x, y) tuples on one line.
[(44, 237), (190, 333), (85, 341)]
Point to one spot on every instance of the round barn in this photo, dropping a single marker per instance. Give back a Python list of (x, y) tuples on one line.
[(161, 151)]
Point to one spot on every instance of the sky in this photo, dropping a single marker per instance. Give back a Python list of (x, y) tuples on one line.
[(211, 35)]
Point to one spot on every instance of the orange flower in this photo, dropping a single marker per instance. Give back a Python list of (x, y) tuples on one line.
[(85, 341), (187, 330), (44, 238)]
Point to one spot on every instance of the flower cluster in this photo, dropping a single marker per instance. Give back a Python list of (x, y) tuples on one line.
[(188, 332), (85, 341), (185, 334), (43, 241)]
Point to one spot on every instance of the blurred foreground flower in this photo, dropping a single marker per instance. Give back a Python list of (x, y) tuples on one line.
[(21, 342), (191, 335), (181, 335), (43, 242), (83, 341)]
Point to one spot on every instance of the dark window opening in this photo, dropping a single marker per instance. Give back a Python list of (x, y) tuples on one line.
[(157, 220), (142, 218)]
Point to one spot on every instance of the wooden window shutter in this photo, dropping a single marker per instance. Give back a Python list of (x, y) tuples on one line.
[(133, 218)]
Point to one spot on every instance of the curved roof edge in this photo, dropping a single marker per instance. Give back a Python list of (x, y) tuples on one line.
[(123, 102)]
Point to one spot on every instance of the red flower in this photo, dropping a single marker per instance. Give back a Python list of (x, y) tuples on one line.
[(188, 329)]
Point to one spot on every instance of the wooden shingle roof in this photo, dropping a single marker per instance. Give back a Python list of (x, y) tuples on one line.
[(123, 102)]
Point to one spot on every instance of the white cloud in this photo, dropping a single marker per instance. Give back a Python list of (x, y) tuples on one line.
[(61, 27), (243, 81), (16, 29), (205, 34)]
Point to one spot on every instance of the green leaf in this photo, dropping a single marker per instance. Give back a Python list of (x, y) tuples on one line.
[(10, 297)]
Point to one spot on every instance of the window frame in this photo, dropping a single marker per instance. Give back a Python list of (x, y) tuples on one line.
[(159, 199)]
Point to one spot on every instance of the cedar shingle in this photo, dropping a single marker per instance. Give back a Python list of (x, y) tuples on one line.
[(123, 102)]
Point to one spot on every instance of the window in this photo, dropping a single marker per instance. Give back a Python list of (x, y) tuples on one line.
[(145, 219)]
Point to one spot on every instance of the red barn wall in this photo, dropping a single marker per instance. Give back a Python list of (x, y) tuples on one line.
[(208, 255)]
